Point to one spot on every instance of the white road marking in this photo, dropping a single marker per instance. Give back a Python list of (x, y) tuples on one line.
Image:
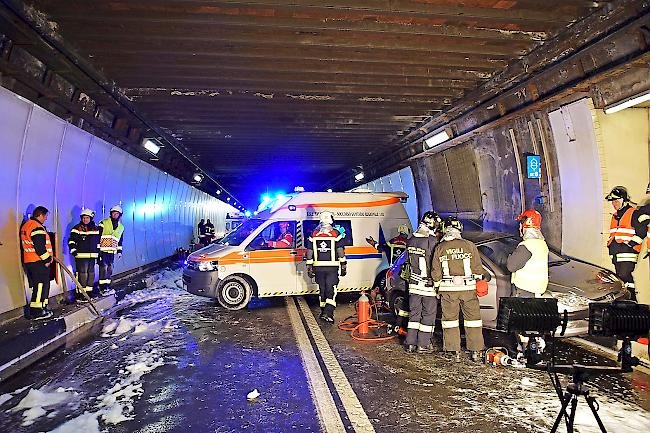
[(351, 403), (325, 406)]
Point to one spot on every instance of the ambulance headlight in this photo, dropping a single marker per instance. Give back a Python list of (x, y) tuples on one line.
[(208, 266)]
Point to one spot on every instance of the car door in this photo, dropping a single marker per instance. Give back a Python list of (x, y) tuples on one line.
[(489, 303), (273, 268)]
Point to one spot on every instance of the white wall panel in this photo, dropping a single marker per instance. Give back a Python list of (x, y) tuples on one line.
[(95, 176), (13, 123), (149, 220), (131, 247), (139, 231)]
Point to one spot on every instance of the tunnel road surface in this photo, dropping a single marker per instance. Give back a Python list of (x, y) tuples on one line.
[(174, 362)]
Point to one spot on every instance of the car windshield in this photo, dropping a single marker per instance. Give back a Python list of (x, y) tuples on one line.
[(498, 251), (238, 236)]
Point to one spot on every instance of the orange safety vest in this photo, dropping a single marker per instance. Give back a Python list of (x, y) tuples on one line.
[(621, 231), (30, 228)]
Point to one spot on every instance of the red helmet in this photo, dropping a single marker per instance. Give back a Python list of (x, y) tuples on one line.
[(530, 219)]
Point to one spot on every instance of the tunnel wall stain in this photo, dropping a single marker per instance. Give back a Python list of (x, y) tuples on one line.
[(52, 163)]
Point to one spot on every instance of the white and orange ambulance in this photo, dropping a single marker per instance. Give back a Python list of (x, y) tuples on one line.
[(244, 264)]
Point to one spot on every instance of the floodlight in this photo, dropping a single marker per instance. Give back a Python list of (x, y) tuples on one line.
[(619, 319), (628, 102), (530, 315)]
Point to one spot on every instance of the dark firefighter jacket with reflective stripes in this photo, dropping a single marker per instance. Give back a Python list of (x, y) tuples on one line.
[(456, 265), (84, 240), (35, 242), (627, 230), (324, 248), (419, 250)]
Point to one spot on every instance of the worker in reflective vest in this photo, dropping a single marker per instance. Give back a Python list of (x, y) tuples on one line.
[(456, 268), (110, 245), (325, 256), (37, 258), (529, 261), (626, 233), (84, 247), (422, 300)]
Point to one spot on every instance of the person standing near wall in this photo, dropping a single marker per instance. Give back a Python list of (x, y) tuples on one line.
[(209, 232), (111, 233), (201, 231), (84, 247), (626, 232), (37, 258), (528, 263)]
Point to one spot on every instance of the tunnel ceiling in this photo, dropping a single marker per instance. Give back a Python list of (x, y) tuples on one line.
[(273, 94)]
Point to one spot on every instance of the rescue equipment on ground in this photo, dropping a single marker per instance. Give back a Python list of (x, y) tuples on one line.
[(360, 329), (498, 357)]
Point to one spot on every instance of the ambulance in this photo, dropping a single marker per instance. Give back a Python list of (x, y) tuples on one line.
[(243, 265)]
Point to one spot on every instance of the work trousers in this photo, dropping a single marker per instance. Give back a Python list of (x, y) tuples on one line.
[(327, 278), (624, 264), (38, 276), (105, 269), (452, 303), (403, 314), (85, 274), (422, 319)]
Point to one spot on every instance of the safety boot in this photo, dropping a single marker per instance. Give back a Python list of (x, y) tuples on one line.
[(326, 318), (476, 355), (410, 348), (425, 349), (453, 356)]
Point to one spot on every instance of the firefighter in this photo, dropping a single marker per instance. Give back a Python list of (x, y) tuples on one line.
[(325, 256), (456, 268), (83, 244), (209, 232), (284, 239), (37, 259), (626, 232), (529, 261), (422, 303), (201, 232), (110, 245), (394, 247), (644, 218)]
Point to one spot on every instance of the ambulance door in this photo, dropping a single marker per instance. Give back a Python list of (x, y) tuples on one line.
[(272, 258)]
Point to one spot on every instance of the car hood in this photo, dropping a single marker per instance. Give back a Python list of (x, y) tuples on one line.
[(212, 252), (583, 279)]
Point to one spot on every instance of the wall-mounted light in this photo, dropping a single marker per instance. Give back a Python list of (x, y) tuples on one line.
[(151, 145), (329, 189), (359, 176), (228, 199), (628, 102), (437, 139), (218, 192), (299, 189), (198, 177)]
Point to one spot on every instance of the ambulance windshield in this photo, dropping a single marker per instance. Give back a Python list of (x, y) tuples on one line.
[(238, 236)]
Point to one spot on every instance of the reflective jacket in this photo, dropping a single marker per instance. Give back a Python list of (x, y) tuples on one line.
[(110, 240), (419, 250), (284, 241), (35, 242), (626, 232), (324, 248), (84, 240), (456, 265), (533, 277)]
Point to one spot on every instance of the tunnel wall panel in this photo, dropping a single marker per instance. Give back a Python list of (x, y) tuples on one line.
[(51, 163)]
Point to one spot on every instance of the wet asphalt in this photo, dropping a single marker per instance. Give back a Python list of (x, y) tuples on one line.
[(213, 358)]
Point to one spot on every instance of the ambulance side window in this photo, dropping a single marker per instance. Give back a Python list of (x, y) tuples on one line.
[(273, 237), (342, 225)]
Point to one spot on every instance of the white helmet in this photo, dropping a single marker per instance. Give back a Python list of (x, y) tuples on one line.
[(326, 218), (403, 228), (87, 212), (117, 208)]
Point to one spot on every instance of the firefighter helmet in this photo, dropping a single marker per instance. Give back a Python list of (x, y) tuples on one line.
[(87, 212), (530, 219), (117, 208), (431, 219), (403, 229), (326, 218), (452, 222), (618, 193)]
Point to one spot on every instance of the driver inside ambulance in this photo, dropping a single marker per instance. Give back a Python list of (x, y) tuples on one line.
[(284, 238)]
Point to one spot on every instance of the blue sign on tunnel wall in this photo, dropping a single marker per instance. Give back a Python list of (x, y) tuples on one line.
[(534, 162)]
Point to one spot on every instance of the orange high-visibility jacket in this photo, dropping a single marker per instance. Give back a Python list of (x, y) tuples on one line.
[(35, 241), (623, 231)]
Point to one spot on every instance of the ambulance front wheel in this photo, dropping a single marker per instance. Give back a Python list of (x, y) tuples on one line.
[(234, 293)]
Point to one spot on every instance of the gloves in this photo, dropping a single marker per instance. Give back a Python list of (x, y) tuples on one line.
[(371, 241), (310, 272), (344, 269)]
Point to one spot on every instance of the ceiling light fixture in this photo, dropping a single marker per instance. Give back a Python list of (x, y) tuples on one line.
[(437, 139), (151, 145), (198, 177), (359, 176), (628, 102)]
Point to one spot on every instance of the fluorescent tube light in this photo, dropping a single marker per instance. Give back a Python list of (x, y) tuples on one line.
[(437, 139), (359, 176), (628, 102), (151, 146)]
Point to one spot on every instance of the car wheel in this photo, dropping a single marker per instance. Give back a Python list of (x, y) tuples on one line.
[(397, 300), (234, 293)]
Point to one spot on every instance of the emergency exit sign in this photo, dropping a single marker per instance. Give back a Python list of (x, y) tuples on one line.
[(534, 162)]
